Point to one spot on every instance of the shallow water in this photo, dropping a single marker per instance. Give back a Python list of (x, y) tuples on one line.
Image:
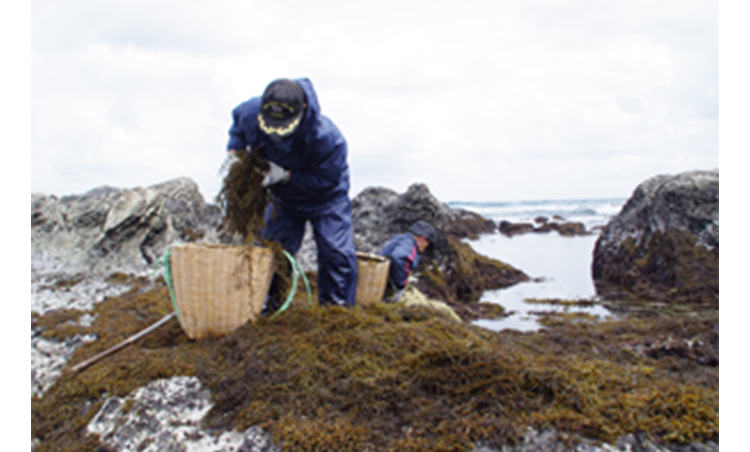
[(560, 268)]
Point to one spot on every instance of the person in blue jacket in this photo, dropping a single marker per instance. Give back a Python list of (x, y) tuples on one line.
[(403, 251), (308, 177)]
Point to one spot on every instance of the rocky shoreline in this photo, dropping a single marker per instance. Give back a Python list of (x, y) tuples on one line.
[(543, 225), (93, 250)]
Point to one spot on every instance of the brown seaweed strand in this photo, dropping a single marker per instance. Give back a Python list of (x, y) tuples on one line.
[(243, 201), (242, 198)]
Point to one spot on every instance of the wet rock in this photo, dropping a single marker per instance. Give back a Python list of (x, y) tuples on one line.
[(371, 226), (664, 243), (166, 415), (48, 358), (378, 213), (109, 229), (571, 228), (511, 229), (51, 290), (464, 223), (564, 228)]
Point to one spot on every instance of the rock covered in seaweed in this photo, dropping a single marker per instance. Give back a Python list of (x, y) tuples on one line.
[(664, 243), (450, 270)]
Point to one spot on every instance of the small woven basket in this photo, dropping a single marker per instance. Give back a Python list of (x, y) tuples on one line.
[(373, 275), (219, 288)]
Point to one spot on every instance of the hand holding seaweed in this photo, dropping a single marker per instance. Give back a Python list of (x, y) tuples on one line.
[(243, 199)]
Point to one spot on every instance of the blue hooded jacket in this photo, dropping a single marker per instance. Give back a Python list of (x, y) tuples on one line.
[(316, 155), (402, 250)]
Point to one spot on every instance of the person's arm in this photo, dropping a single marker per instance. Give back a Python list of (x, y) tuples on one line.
[(242, 131), (326, 166), (402, 259)]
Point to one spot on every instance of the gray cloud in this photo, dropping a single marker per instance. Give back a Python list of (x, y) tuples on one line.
[(481, 100)]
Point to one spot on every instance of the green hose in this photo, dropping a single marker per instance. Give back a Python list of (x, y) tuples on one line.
[(296, 272), (164, 262)]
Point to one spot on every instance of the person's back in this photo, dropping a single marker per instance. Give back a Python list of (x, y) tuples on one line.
[(403, 252)]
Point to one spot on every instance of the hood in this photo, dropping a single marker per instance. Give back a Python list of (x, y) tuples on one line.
[(312, 114)]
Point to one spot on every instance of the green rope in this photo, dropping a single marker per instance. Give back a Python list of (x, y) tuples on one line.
[(296, 272), (164, 261)]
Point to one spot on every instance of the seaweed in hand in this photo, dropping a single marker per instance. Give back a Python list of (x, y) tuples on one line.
[(243, 200), (242, 197)]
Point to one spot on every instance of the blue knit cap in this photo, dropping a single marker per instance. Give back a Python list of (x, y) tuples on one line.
[(424, 229)]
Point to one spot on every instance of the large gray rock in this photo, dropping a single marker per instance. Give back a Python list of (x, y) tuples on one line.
[(664, 244), (378, 213), (449, 270), (109, 229)]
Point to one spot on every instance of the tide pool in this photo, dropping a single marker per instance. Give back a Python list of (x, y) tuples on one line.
[(559, 268)]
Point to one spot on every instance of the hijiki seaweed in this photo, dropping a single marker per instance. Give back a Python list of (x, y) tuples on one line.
[(243, 200)]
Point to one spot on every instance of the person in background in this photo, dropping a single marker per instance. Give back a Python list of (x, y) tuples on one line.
[(403, 252), (308, 177)]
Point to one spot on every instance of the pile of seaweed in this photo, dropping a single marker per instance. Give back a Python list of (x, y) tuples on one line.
[(386, 377)]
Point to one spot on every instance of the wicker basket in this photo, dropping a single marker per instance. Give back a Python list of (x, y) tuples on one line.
[(219, 288), (373, 275)]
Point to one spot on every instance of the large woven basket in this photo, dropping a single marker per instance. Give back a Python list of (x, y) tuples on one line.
[(219, 288), (373, 275)]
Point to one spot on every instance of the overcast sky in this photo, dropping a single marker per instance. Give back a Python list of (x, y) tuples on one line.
[(480, 100)]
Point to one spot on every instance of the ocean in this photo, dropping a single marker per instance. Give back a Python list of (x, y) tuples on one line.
[(559, 266)]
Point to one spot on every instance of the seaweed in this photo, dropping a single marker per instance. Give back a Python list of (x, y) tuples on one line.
[(243, 201), (388, 377), (465, 275), (669, 266)]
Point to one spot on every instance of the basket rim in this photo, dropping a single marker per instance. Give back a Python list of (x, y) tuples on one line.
[(370, 257)]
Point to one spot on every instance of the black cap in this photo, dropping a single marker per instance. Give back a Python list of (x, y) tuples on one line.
[(281, 107), (424, 229)]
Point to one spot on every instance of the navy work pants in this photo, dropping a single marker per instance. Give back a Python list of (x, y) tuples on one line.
[(337, 259)]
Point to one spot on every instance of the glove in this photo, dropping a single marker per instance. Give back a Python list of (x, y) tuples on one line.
[(275, 175), (397, 295), (228, 162)]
